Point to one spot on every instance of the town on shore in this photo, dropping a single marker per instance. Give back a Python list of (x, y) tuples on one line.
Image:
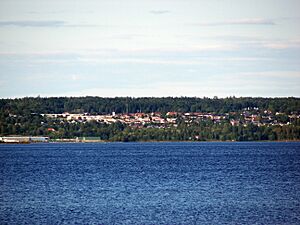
[(247, 117), (95, 119), (160, 120)]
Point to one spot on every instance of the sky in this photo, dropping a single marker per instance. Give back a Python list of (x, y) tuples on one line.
[(149, 48)]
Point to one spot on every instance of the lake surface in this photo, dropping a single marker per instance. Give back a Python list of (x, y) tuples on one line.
[(150, 183)]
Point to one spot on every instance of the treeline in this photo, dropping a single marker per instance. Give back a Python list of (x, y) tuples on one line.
[(98, 105)]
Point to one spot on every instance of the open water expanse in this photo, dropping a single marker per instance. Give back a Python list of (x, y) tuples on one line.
[(150, 183)]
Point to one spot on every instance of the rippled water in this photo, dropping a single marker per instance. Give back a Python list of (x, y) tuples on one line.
[(150, 183)]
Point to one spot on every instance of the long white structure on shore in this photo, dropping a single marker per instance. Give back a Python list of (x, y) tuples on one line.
[(23, 139)]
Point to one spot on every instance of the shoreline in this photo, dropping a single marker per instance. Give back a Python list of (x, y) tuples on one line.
[(154, 141)]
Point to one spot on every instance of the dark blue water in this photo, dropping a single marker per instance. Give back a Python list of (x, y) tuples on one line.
[(150, 183)]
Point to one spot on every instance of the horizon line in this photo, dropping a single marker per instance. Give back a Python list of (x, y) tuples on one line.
[(135, 97)]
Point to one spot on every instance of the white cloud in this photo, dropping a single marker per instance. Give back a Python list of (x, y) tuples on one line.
[(272, 74), (159, 12), (283, 44), (40, 23), (32, 23), (251, 21)]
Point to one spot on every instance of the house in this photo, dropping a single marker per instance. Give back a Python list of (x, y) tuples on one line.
[(172, 114), (171, 120), (234, 122)]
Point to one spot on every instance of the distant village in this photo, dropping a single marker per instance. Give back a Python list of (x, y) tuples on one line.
[(248, 116), (157, 119)]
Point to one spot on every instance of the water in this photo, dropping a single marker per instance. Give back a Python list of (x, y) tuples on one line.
[(150, 183)]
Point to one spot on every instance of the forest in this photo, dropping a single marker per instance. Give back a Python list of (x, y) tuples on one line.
[(22, 116)]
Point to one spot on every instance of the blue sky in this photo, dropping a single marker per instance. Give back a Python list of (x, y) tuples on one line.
[(150, 48)]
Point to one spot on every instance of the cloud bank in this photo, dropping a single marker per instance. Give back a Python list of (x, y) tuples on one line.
[(40, 23), (255, 21), (33, 23)]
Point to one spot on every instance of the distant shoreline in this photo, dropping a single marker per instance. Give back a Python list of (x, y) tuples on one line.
[(104, 142)]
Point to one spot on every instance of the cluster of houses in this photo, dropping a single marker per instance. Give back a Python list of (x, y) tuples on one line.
[(157, 118), (263, 119), (173, 118), (245, 117)]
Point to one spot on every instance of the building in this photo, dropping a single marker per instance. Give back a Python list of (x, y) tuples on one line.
[(23, 139)]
